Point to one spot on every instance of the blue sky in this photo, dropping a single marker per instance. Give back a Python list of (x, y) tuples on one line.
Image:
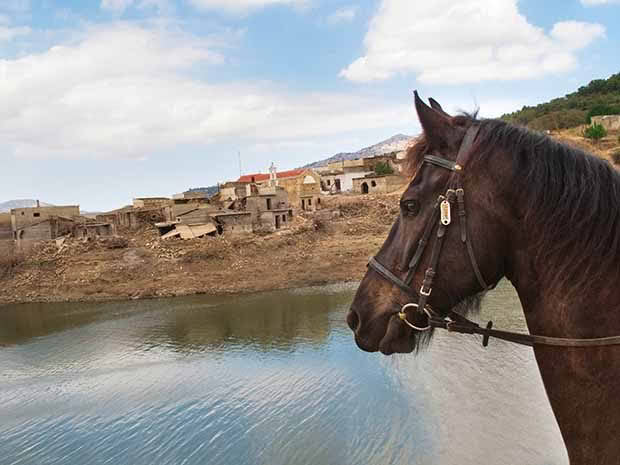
[(107, 100)]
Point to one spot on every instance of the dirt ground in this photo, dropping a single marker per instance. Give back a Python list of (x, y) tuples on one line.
[(329, 247)]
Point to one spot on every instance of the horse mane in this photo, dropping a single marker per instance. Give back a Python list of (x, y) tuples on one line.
[(574, 219)]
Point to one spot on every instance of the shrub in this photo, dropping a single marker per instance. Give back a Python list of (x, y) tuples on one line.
[(615, 156), (595, 132), (602, 109), (383, 168)]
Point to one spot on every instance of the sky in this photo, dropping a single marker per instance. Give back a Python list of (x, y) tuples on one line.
[(102, 101)]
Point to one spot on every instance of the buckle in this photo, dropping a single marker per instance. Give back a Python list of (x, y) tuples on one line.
[(425, 293)]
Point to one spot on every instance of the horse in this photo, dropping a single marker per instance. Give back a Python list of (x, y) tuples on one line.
[(543, 215)]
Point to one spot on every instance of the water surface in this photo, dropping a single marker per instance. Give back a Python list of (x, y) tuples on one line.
[(272, 378)]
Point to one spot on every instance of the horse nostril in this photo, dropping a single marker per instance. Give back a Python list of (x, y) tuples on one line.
[(353, 320)]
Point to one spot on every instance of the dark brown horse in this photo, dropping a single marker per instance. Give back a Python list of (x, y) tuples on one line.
[(542, 214)]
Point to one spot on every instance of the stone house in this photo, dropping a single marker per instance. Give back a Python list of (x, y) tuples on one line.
[(190, 198), (270, 208), (132, 218), (297, 183), (43, 230), (338, 176), (375, 184), (93, 230), (23, 217), (151, 202), (234, 222)]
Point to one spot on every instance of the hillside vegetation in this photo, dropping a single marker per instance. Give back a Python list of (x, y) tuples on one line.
[(599, 97)]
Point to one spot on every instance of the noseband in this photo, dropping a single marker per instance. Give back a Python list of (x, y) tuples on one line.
[(450, 320)]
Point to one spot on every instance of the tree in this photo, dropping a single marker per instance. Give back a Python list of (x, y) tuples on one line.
[(595, 132)]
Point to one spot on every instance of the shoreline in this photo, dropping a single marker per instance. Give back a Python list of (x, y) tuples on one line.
[(321, 249), (95, 299)]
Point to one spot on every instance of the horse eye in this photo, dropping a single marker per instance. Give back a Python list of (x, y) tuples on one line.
[(410, 207)]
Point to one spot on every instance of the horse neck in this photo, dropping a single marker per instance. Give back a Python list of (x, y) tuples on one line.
[(580, 383), (552, 309)]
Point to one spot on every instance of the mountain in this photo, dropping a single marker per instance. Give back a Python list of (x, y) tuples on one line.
[(393, 144), (599, 97), (5, 207), (209, 191)]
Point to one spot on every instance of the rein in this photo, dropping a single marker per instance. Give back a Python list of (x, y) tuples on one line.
[(452, 321)]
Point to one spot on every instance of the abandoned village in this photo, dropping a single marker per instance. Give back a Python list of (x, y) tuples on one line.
[(255, 203)]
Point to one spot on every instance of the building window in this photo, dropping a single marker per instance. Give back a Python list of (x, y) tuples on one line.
[(22, 213), (303, 204), (36, 215), (329, 182), (373, 184), (309, 202), (318, 201), (283, 218), (268, 204)]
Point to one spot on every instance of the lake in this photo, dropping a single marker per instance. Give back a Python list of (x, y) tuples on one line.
[(272, 378)]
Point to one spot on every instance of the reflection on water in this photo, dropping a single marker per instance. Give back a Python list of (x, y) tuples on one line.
[(273, 378)]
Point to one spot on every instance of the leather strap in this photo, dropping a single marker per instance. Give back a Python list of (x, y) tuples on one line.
[(460, 324), (455, 322), (448, 164), (387, 274), (428, 230), (460, 195)]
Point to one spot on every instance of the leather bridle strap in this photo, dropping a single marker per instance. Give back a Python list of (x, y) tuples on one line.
[(439, 161), (456, 323), (417, 256), (460, 196)]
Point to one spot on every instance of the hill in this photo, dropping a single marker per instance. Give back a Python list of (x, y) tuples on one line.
[(6, 207), (599, 97), (393, 144)]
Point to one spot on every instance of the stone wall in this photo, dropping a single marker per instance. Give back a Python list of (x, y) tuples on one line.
[(609, 122), (235, 223), (6, 232), (378, 184), (21, 217), (196, 216), (150, 202)]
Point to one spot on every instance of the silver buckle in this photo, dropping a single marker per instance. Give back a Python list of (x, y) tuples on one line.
[(425, 294)]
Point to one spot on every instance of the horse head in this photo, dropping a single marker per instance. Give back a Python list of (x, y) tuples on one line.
[(453, 203)]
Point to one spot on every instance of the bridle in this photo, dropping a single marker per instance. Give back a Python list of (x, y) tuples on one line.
[(441, 218)]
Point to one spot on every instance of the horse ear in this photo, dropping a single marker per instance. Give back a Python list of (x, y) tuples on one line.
[(437, 125), (435, 106)]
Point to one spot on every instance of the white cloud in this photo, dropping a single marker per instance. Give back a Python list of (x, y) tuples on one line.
[(128, 91), (598, 2), (245, 6), (343, 15), (9, 33), (116, 5), (120, 6), (460, 41)]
